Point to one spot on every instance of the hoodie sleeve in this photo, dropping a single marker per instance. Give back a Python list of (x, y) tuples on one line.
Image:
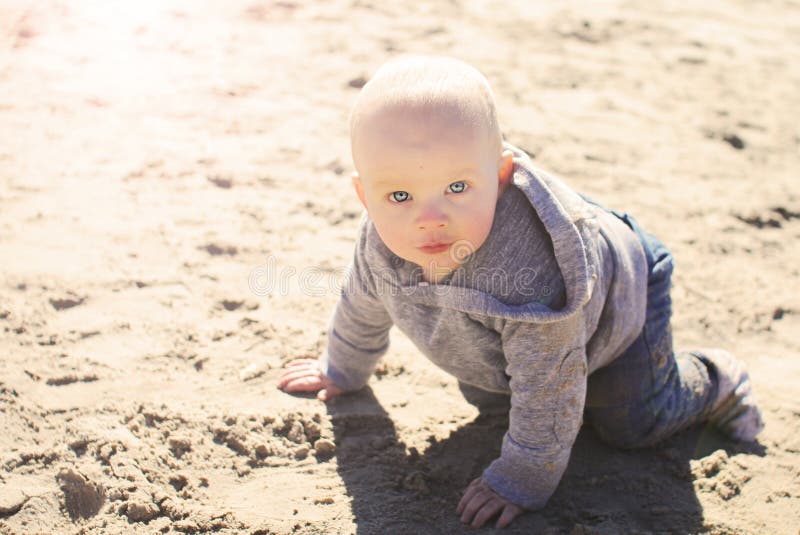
[(548, 389), (358, 334)]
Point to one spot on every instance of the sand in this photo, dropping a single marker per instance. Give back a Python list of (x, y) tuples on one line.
[(176, 215)]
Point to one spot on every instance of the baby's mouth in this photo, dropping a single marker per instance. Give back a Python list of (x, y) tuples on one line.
[(433, 248)]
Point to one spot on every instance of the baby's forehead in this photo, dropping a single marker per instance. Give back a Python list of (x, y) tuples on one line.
[(432, 112), (412, 127), (455, 112)]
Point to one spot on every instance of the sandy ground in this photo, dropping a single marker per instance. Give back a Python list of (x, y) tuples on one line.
[(176, 214)]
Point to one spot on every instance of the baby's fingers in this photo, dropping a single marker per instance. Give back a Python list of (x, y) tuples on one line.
[(478, 500), (303, 383), (510, 512), (292, 375), (489, 509), (472, 489)]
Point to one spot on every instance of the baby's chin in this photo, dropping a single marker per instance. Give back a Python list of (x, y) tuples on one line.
[(435, 264), (438, 263)]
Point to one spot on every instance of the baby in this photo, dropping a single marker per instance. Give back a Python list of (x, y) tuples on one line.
[(513, 283)]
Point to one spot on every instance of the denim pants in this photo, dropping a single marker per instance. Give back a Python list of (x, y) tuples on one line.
[(649, 392)]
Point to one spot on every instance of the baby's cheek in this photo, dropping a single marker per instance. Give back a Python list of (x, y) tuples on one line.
[(393, 235), (479, 226)]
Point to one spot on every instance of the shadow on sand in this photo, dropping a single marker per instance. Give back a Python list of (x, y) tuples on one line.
[(395, 489)]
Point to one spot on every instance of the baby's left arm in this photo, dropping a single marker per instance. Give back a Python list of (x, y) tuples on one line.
[(548, 388)]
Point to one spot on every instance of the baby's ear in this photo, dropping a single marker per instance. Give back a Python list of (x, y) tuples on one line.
[(359, 190), (505, 171)]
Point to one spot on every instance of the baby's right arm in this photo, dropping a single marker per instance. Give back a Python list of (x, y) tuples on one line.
[(358, 335), (305, 375)]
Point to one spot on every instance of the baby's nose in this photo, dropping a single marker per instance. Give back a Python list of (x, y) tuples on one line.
[(431, 218)]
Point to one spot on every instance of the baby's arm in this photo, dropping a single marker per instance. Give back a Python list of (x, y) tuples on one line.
[(547, 366), (305, 375), (357, 337)]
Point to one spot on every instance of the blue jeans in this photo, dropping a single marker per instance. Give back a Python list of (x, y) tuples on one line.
[(649, 392)]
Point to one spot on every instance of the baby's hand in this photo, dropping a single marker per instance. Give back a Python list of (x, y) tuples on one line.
[(480, 503), (304, 375)]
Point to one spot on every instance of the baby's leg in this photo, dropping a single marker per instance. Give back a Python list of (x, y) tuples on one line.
[(637, 401), (734, 410), (488, 403), (650, 392)]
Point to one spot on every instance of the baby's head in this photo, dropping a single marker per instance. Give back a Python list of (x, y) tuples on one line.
[(429, 159)]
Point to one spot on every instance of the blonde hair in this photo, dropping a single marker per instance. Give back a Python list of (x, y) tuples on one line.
[(430, 83)]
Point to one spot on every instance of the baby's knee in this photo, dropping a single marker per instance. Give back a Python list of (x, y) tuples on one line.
[(621, 427), (486, 402)]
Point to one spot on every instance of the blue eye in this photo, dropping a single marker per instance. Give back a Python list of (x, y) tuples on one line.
[(457, 187), (398, 196)]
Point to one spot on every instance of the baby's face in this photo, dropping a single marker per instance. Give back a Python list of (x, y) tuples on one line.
[(430, 186)]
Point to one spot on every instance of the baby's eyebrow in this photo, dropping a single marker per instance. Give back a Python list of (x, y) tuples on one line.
[(452, 176), (389, 183), (461, 172)]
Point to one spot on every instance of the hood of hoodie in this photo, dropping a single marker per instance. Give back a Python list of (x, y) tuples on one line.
[(568, 219)]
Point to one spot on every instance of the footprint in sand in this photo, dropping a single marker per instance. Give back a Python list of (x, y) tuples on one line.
[(83, 498), (68, 300), (68, 379), (221, 182), (232, 305), (775, 217), (216, 249)]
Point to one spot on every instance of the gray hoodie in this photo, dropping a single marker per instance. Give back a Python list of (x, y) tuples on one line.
[(556, 291)]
